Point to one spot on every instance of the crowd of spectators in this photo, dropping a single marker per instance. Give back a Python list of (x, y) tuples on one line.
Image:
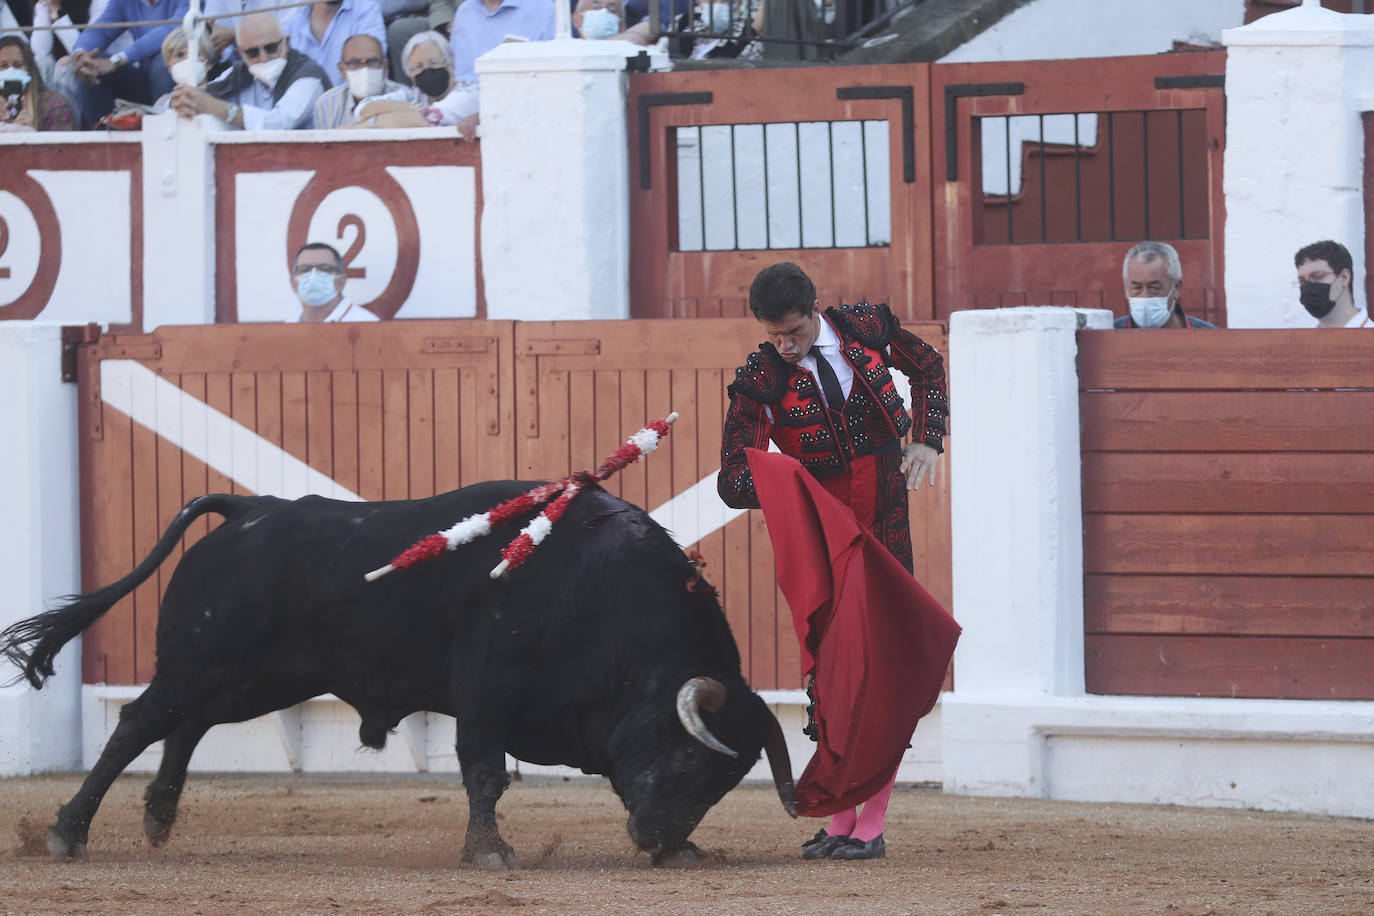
[(329, 64)]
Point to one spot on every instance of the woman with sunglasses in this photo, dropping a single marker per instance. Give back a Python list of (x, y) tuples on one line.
[(28, 104)]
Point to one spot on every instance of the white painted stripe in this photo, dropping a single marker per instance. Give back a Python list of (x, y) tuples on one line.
[(697, 511), (198, 429)]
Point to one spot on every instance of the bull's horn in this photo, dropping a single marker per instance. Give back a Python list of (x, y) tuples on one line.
[(696, 693), (780, 762)]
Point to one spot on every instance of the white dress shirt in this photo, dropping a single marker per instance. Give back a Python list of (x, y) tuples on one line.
[(344, 311)]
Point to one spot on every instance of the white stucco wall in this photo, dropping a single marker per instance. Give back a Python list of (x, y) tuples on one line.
[(1296, 83), (39, 550), (555, 179), (1059, 29)]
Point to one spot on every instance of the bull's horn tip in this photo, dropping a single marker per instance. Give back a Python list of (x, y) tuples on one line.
[(672, 417), (499, 569), (790, 808), (378, 573)]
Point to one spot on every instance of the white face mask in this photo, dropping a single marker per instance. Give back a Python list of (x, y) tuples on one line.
[(597, 24), (1151, 312), (364, 83), (316, 287), (15, 75), (268, 72), (188, 72), (716, 16)]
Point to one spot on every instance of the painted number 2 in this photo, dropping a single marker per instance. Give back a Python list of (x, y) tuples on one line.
[(354, 221), (4, 245)]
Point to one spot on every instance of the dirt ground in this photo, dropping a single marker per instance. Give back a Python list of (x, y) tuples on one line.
[(328, 844)]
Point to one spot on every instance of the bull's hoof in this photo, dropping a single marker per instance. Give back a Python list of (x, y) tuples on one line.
[(157, 828), (678, 858), (495, 858), (63, 848)]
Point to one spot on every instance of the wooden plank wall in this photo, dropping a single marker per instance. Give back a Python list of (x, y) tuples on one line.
[(1228, 509), (405, 409)]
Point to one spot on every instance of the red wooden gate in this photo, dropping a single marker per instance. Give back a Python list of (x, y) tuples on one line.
[(1141, 159)]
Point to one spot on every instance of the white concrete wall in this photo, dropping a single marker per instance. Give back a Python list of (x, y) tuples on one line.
[(555, 179), (39, 550), (1061, 29), (1296, 83)]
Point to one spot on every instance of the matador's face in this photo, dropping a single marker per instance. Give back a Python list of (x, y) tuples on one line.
[(795, 333)]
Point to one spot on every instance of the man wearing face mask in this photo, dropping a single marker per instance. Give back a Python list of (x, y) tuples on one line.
[(1326, 286), (1153, 276), (363, 69), (317, 276), (600, 19), (271, 87)]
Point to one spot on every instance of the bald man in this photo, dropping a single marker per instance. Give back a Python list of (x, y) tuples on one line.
[(270, 87)]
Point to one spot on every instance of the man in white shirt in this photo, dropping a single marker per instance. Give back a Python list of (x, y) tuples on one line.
[(317, 276), (1326, 286), (363, 72), (271, 86)]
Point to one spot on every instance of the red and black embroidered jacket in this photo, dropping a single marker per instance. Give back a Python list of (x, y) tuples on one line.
[(873, 416)]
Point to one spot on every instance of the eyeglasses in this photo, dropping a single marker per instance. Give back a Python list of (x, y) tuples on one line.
[(253, 53), (301, 270), (358, 63), (435, 64), (1328, 277)]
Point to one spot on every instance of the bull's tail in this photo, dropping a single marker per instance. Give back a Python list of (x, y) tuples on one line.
[(32, 644)]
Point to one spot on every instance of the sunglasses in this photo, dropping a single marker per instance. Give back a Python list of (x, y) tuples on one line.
[(260, 50)]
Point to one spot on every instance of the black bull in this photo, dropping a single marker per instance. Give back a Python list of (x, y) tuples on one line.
[(594, 654)]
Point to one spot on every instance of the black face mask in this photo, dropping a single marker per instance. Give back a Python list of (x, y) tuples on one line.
[(1316, 298), (433, 82)]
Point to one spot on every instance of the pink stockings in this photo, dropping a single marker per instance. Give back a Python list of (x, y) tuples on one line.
[(863, 825)]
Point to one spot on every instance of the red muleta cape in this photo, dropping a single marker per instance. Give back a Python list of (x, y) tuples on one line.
[(878, 642)]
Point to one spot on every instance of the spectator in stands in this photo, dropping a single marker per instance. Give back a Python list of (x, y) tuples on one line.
[(1153, 276), (185, 72), (28, 104), (434, 100), (320, 29), (363, 69), (1326, 284), (272, 86), (595, 19), (50, 46), (480, 25), (317, 276), (137, 73), (407, 18), (222, 31)]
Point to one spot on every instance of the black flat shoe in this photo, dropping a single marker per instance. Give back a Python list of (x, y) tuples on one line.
[(822, 845), (875, 848)]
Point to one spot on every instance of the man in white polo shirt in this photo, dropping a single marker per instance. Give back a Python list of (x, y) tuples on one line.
[(317, 276)]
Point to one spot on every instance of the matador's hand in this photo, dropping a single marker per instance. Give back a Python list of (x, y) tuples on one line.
[(919, 460)]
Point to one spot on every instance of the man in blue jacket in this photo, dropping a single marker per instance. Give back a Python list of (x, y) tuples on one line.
[(137, 73)]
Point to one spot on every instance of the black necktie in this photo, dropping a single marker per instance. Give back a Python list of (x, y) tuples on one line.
[(830, 383)]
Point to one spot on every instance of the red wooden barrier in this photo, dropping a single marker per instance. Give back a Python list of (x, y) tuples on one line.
[(1228, 508)]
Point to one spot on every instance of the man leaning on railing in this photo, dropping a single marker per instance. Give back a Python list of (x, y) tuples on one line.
[(271, 87)]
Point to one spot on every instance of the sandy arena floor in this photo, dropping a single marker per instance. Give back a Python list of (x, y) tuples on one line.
[(321, 844)]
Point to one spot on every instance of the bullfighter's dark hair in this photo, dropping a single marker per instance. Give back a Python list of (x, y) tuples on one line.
[(319, 246), (1333, 253), (780, 290)]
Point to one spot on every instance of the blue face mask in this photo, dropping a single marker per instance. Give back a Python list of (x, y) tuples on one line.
[(316, 287)]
